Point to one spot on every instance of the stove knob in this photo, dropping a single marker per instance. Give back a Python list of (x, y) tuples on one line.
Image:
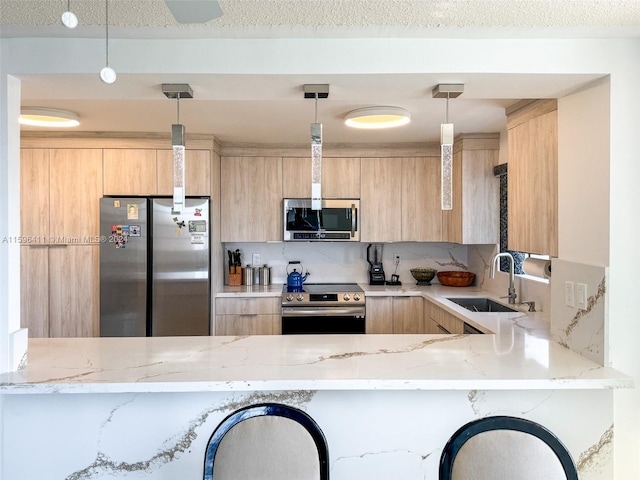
[(289, 298), (300, 298), (356, 297), (346, 297)]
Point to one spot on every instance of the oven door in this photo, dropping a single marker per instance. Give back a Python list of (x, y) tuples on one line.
[(312, 320)]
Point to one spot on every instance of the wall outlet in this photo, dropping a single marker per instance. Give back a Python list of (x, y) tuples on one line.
[(396, 258), (581, 295), (569, 294), (256, 260)]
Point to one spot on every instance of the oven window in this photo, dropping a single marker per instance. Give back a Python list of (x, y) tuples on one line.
[(324, 325)]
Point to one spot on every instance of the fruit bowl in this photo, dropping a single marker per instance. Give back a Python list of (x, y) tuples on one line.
[(423, 275), (456, 279)]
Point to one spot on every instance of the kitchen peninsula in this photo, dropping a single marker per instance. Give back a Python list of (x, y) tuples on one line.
[(386, 403)]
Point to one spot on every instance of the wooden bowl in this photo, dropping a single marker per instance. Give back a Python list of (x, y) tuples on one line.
[(456, 279), (423, 275)]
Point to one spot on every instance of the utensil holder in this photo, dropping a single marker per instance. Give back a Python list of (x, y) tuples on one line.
[(235, 275)]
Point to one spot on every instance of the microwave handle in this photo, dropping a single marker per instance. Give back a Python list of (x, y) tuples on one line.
[(353, 220)]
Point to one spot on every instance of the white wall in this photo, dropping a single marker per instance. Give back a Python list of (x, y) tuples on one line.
[(583, 175)]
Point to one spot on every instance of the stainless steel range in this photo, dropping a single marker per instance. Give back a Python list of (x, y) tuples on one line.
[(323, 308)]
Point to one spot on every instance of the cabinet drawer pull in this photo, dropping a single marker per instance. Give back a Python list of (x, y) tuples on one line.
[(442, 329)]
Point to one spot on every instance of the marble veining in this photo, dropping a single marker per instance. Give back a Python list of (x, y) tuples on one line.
[(453, 263), (597, 455), (580, 329), (182, 441), (591, 303), (386, 351)]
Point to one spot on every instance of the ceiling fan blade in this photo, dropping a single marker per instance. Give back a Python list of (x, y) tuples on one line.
[(194, 11)]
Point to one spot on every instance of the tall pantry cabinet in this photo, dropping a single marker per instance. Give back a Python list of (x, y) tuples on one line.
[(59, 257)]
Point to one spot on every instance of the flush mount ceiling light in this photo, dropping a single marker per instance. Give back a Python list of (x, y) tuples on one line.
[(446, 144), (316, 91), (377, 117), (48, 117)]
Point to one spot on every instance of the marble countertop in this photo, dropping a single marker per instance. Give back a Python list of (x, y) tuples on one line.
[(518, 355)]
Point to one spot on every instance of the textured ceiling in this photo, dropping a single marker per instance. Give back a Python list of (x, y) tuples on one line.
[(244, 18), (268, 108)]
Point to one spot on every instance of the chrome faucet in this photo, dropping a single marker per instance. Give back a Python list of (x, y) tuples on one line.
[(512, 290)]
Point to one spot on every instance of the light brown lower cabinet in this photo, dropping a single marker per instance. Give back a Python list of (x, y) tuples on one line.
[(60, 290), (438, 320), (394, 315), (248, 316)]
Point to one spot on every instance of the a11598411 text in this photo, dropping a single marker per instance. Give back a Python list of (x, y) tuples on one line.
[(44, 240)]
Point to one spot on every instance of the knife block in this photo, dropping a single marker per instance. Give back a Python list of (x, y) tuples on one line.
[(235, 275)]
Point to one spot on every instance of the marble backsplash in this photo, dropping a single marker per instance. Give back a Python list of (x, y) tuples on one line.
[(581, 329), (338, 262)]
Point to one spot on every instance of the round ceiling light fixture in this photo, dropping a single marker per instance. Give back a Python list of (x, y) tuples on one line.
[(377, 117), (48, 117)]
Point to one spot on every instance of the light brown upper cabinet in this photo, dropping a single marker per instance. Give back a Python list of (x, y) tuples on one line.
[(400, 199), (340, 177), (421, 211), (75, 186), (381, 200), (130, 171), (475, 217), (197, 172), (533, 177), (251, 199), (60, 189)]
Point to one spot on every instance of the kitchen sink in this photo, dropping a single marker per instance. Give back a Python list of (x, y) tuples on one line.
[(481, 304)]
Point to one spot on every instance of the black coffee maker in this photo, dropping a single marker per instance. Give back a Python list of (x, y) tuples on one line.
[(374, 257)]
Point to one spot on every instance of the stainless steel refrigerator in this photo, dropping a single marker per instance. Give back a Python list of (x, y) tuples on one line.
[(154, 267)]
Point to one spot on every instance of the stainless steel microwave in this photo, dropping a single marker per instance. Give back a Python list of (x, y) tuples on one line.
[(337, 221)]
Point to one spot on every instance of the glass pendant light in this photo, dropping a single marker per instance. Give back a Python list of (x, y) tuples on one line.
[(315, 92), (178, 91), (446, 145)]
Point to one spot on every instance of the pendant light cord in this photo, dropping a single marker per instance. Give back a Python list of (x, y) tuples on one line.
[(106, 4)]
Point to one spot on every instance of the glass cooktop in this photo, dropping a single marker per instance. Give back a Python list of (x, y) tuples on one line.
[(324, 288)]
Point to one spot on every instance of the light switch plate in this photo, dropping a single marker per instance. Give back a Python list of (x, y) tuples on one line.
[(581, 295), (569, 294)]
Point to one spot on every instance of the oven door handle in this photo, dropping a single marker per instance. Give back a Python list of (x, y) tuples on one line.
[(323, 312)]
